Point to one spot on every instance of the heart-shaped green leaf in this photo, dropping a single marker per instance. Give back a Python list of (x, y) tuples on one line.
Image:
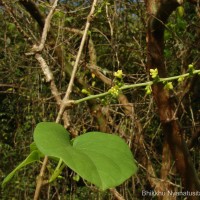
[(102, 159), (32, 157)]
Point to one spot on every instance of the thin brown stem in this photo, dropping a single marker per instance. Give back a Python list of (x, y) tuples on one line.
[(45, 29), (71, 82), (40, 178)]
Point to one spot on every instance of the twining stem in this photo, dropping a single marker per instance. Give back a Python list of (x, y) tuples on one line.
[(132, 86)]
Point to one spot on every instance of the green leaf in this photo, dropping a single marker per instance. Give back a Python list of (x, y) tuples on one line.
[(102, 159), (32, 157), (33, 147), (111, 156)]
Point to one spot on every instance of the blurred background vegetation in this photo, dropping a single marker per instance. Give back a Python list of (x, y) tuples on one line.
[(118, 33)]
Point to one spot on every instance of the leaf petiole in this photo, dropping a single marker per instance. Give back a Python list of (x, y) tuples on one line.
[(57, 171)]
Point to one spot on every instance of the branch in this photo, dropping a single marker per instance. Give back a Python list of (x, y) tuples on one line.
[(69, 89), (45, 68), (194, 140), (196, 2), (49, 77), (31, 7), (117, 195), (40, 178), (45, 29)]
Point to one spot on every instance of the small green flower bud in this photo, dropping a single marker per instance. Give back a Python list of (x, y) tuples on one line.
[(114, 91), (191, 66), (154, 73), (84, 91), (180, 79), (169, 86), (118, 74), (148, 89)]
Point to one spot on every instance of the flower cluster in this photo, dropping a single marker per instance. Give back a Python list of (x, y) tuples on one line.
[(154, 73), (169, 86), (114, 91), (191, 68), (118, 74), (148, 89), (93, 78)]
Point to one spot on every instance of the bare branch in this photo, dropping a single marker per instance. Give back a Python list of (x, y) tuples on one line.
[(69, 89), (117, 195), (45, 29), (40, 178), (46, 70)]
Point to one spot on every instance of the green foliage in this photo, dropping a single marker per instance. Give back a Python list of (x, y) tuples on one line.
[(34, 156), (180, 11), (103, 159), (118, 34)]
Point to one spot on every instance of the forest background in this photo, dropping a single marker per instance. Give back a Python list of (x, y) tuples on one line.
[(159, 121)]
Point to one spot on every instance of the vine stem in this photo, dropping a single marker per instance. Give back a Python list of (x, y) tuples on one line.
[(75, 67), (132, 86)]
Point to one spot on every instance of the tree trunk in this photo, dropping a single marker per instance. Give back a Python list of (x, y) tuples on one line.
[(159, 12)]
